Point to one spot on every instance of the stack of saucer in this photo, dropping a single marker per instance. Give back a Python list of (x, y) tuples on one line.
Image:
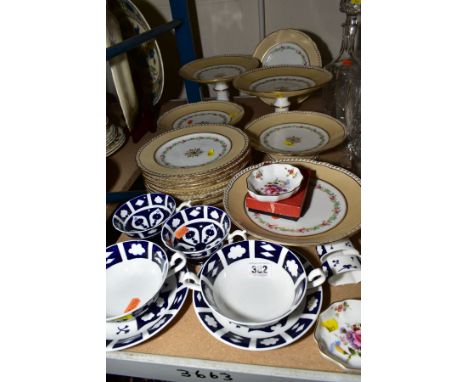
[(115, 138), (194, 163)]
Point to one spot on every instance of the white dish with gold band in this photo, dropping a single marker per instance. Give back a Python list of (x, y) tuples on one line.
[(282, 82), (332, 209), (287, 47), (295, 133), (205, 112)]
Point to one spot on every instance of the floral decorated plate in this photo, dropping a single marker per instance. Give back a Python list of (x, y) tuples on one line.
[(274, 182), (218, 68), (121, 73), (283, 333), (295, 133), (121, 335), (332, 209), (282, 81), (146, 60), (338, 333), (287, 47), (208, 112), (191, 150)]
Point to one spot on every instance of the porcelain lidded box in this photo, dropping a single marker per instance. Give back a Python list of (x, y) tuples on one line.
[(274, 182)]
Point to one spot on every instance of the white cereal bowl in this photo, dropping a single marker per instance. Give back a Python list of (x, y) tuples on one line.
[(135, 272), (274, 182), (253, 283)]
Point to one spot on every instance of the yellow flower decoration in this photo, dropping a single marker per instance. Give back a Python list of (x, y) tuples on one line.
[(288, 142), (211, 152), (331, 325)]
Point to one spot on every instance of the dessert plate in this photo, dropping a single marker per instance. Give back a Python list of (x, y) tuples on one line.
[(118, 142), (338, 333), (287, 47), (200, 149), (121, 73), (121, 335), (217, 68), (295, 133), (147, 57), (207, 112), (275, 336), (332, 209)]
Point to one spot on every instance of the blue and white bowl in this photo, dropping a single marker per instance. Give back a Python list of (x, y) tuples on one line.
[(135, 272), (198, 231), (143, 216), (253, 283)]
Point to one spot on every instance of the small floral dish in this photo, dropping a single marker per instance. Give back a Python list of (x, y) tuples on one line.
[(136, 270), (253, 283), (338, 333), (143, 216), (274, 182)]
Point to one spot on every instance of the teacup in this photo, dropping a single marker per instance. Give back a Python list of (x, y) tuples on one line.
[(342, 246), (135, 273), (198, 231), (253, 283), (142, 217), (342, 268)]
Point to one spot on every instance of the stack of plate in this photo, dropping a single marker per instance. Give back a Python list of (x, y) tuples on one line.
[(115, 138), (194, 163)]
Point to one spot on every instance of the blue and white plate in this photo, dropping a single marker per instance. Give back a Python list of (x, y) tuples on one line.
[(121, 335), (275, 336)]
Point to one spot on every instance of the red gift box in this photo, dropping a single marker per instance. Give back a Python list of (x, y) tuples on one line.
[(290, 208)]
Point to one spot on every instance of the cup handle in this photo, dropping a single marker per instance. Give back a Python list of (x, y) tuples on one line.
[(190, 280), (239, 232), (316, 278), (179, 258), (184, 205)]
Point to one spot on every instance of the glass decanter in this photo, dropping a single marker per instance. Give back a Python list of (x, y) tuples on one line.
[(340, 94)]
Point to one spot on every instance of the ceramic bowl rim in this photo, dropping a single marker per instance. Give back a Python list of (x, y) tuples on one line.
[(193, 253), (262, 323), (163, 276), (119, 208), (293, 190)]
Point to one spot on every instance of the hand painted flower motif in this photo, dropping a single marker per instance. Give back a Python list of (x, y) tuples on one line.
[(331, 325), (272, 189), (195, 152), (291, 141), (342, 307)]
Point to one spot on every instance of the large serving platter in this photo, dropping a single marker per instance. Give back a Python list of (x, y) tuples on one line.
[(283, 333), (147, 57), (121, 73), (218, 68), (201, 150), (295, 133), (332, 209), (197, 113)]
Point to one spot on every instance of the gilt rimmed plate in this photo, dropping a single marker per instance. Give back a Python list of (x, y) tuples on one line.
[(295, 133), (118, 141), (121, 73), (287, 47), (121, 335), (282, 81), (218, 68), (200, 149), (338, 334), (332, 209), (283, 333), (205, 112), (148, 56)]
